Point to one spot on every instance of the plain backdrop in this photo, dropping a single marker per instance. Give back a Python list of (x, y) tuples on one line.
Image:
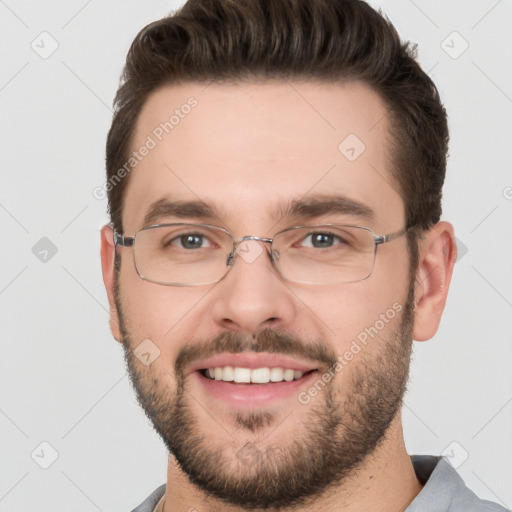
[(66, 402)]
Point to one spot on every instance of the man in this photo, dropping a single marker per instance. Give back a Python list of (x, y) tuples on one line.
[(274, 172)]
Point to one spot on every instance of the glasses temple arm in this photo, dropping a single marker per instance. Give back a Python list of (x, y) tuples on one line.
[(123, 241), (382, 239)]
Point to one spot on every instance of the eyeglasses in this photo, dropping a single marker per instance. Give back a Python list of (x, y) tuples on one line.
[(182, 254)]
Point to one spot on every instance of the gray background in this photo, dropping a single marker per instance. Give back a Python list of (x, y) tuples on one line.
[(62, 376)]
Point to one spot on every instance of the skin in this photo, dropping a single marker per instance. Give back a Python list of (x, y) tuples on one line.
[(248, 149)]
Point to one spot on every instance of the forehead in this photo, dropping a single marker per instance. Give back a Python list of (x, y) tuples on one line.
[(248, 149)]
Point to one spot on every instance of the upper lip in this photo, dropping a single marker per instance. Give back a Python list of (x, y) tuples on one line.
[(253, 360)]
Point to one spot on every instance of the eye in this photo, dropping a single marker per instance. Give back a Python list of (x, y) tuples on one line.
[(190, 241), (321, 240)]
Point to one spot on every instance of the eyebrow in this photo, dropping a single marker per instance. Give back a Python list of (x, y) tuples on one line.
[(181, 209), (314, 206), (309, 207)]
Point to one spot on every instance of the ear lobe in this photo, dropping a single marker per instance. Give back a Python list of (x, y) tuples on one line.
[(108, 253), (437, 255)]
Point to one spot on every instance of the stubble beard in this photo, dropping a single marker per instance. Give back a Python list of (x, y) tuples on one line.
[(340, 432)]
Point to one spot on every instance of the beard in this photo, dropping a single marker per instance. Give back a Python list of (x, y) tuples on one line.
[(341, 430)]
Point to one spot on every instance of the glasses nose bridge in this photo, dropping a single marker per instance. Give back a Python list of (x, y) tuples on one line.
[(237, 241)]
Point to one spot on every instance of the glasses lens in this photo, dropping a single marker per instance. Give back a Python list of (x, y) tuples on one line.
[(182, 254), (325, 254)]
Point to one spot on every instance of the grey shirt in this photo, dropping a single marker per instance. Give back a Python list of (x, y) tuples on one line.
[(443, 491)]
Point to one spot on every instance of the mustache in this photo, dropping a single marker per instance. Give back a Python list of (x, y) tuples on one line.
[(275, 341)]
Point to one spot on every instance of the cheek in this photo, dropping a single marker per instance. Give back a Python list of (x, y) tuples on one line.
[(147, 306), (364, 324), (167, 316), (359, 311)]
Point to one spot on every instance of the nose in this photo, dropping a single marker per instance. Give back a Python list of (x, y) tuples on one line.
[(253, 296)]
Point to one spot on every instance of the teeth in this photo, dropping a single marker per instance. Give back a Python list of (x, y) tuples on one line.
[(228, 374), (288, 375), (256, 376), (241, 374), (276, 374), (260, 375)]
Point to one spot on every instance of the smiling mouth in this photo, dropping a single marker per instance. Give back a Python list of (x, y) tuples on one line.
[(265, 375)]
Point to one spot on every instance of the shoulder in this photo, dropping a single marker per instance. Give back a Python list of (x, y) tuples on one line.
[(444, 490), (149, 504)]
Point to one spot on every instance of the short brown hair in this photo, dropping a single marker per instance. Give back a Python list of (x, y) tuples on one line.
[(325, 40)]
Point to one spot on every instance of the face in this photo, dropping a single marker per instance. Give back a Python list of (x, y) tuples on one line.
[(255, 159)]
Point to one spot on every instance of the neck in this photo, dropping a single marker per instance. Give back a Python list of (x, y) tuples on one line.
[(385, 482)]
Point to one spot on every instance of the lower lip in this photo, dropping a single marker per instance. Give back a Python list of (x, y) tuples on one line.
[(242, 394)]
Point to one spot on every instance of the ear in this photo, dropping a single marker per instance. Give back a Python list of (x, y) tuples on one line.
[(437, 255), (108, 252)]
